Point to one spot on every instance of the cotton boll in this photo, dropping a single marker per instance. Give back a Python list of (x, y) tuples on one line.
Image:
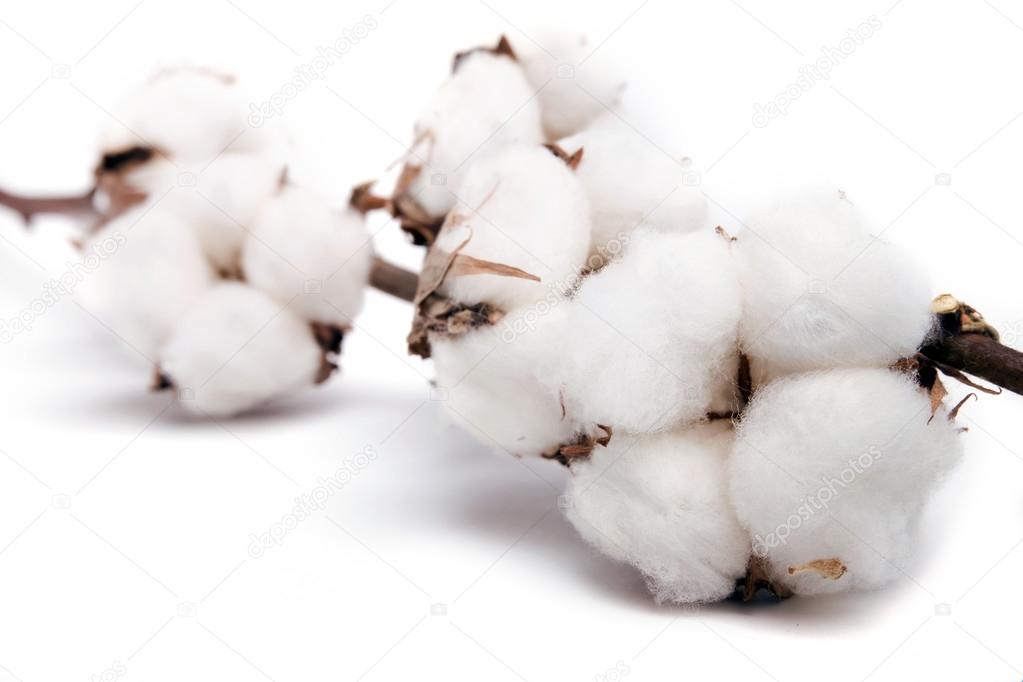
[(631, 183), (187, 114), (220, 200), (151, 272), (821, 292), (236, 349), (524, 208), (650, 340), (484, 106), (488, 379), (660, 503), (302, 249), (838, 465), (573, 89)]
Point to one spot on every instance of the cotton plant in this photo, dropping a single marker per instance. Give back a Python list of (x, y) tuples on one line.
[(740, 414), (581, 305), (234, 283)]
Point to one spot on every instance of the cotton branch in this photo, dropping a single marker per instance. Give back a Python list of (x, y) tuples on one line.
[(29, 207), (394, 280), (386, 277), (965, 342)]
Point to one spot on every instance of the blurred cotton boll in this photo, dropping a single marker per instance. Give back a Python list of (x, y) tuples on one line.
[(156, 274), (486, 104), (573, 91), (236, 349), (304, 252)]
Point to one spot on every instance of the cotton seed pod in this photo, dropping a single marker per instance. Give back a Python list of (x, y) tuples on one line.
[(236, 349), (820, 291), (524, 208), (488, 379), (153, 272), (660, 503), (649, 342), (303, 251), (573, 89), (834, 467), (486, 104), (632, 184)]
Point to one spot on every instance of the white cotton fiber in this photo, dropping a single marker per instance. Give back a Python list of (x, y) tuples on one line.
[(838, 465), (236, 349), (488, 380), (525, 208), (649, 342), (660, 503), (820, 291), (220, 200), (631, 183), (574, 89), (485, 105), (153, 272), (190, 115), (302, 250)]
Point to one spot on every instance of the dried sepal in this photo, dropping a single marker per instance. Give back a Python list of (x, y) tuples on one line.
[(954, 412), (580, 447), (363, 200), (571, 160), (936, 395), (160, 381), (436, 315), (502, 48), (725, 234), (829, 569), (329, 338)]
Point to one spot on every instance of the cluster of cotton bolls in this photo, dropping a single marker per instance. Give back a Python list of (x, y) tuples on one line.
[(716, 398), (236, 284)]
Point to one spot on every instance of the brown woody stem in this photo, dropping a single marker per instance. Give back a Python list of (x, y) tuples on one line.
[(29, 207), (393, 280), (981, 356)]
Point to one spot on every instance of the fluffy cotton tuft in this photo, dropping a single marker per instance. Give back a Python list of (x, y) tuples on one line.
[(573, 89), (524, 208), (237, 349), (484, 106), (152, 270), (303, 249), (660, 503), (489, 379), (821, 292), (649, 342), (837, 465), (632, 184)]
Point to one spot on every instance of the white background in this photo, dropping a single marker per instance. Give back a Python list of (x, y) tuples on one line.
[(124, 524)]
